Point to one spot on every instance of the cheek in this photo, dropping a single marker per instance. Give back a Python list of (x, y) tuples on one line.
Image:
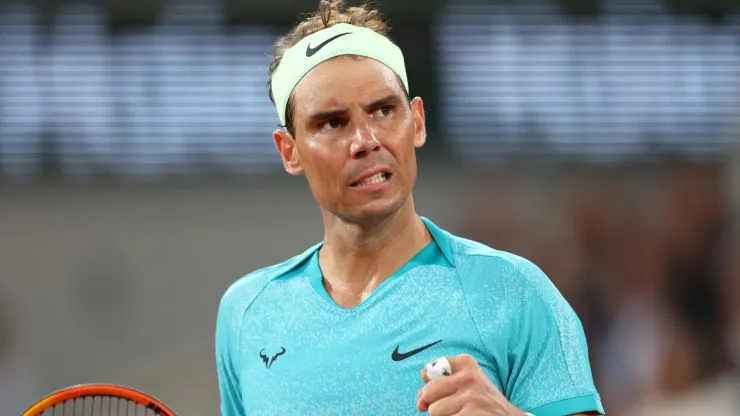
[(402, 148), (404, 154), (322, 168)]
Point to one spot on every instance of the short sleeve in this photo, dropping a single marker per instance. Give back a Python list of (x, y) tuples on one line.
[(549, 369), (228, 324)]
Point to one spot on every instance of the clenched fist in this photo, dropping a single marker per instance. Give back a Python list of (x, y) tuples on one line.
[(467, 391)]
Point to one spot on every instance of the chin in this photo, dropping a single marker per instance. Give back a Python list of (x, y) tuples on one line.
[(376, 210)]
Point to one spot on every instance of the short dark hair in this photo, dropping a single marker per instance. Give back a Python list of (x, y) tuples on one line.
[(330, 13)]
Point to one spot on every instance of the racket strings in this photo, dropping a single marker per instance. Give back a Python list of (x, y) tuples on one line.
[(99, 406)]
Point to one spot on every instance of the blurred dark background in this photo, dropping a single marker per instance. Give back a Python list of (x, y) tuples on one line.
[(138, 179)]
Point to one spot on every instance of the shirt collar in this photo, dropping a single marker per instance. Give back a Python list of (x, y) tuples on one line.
[(442, 238)]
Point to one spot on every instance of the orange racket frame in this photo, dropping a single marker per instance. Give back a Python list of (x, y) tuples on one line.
[(90, 390)]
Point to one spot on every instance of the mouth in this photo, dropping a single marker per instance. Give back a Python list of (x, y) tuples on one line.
[(377, 178)]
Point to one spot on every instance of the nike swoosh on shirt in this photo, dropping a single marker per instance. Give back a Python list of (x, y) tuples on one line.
[(311, 51), (397, 356)]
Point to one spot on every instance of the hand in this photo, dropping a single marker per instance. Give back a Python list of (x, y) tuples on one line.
[(468, 391)]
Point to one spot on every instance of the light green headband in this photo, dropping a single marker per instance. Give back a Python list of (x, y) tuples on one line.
[(340, 39)]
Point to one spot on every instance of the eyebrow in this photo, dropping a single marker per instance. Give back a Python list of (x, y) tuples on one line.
[(391, 99)]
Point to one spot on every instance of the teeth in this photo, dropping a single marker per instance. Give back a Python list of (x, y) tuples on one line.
[(377, 178)]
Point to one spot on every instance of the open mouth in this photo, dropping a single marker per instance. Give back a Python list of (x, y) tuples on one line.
[(377, 178)]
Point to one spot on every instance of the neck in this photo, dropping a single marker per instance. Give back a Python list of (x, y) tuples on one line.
[(356, 258)]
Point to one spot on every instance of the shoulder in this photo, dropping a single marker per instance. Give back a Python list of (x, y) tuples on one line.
[(233, 307), (515, 291), (241, 293), (485, 264), (504, 281), (490, 274)]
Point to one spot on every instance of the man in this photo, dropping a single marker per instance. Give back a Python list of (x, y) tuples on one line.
[(346, 327)]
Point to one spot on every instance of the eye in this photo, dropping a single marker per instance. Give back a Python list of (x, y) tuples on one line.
[(384, 111), (333, 123)]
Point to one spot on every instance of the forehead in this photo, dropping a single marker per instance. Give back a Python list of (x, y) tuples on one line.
[(343, 81)]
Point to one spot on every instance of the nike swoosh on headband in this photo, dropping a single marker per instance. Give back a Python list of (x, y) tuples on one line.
[(312, 51)]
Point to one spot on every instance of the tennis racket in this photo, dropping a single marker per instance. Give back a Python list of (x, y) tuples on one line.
[(98, 400)]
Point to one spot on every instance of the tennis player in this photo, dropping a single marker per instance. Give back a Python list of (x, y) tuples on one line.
[(347, 327)]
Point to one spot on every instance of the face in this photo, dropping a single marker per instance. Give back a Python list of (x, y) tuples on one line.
[(356, 137)]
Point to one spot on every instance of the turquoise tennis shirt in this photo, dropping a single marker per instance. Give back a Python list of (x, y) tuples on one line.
[(284, 347)]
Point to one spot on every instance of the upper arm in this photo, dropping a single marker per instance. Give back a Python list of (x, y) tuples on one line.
[(549, 369), (228, 326)]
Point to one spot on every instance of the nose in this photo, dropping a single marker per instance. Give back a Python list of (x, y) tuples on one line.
[(364, 142)]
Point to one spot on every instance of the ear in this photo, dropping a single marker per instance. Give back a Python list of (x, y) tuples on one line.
[(419, 118), (286, 147)]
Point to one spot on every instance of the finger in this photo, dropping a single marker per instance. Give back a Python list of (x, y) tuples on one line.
[(447, 406), (422, 406), (438, 389), (463, 362)]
